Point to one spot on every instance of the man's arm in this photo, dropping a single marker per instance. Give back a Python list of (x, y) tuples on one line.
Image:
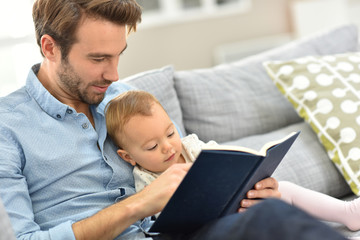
[(110, 222), (16, 198), (267, 188), (106, 224)]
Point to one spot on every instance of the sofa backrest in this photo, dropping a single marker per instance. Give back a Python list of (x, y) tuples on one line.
[(236, 100), (6, 230), (231, 101)]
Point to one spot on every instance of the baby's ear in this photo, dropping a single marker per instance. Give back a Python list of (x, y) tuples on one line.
[(126, 156)]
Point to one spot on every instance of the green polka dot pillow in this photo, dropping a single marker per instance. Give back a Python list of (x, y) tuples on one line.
[(325, 91)]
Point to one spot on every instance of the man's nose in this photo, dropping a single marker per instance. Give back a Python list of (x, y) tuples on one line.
[(111, 73)]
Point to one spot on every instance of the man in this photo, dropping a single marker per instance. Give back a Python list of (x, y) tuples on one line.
[(60, 177)]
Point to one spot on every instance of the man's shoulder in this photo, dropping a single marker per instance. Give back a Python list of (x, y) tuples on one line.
[(11, 102), (118, 88)]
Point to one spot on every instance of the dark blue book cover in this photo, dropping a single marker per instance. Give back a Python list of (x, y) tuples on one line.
[(216, 183)]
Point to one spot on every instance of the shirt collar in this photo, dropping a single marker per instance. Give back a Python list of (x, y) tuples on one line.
[(42, 96)]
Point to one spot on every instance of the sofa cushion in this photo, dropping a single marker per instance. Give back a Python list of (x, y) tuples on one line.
[(236, 100), (325, 91), (306, 163), (160, 83)]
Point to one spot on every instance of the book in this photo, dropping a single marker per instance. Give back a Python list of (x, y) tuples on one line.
[(216, 183)]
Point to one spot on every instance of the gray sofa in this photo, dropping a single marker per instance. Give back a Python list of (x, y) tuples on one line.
[(239, 104)]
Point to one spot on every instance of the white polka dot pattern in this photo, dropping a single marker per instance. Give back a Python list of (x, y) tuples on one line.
[(325, 91)]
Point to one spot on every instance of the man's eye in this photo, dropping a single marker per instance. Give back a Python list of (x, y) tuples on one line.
[(98, 59), (152, 148)]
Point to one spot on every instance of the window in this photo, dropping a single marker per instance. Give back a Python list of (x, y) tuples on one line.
[(18, 47), (156, 12), (149, 5)]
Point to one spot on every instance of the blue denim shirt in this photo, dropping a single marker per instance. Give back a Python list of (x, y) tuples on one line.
[(52, 172)]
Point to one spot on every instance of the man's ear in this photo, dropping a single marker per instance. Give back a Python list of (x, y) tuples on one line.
[(49, 47), (126, 156)]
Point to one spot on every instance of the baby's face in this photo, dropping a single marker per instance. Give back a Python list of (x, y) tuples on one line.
[(153, 141)]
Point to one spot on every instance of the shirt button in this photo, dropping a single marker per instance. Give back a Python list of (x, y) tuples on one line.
[(85, 125), (58, 116), (69, 111)]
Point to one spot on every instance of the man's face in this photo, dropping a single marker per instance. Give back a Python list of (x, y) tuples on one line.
[(91, 65)]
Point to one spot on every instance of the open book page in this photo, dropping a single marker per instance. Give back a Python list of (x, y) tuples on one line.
[(261, 152)]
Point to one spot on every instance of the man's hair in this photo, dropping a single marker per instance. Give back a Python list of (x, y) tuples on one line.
[(122, 108), (60, 18)]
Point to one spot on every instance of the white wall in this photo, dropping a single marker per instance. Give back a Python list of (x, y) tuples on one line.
[(310, 16), (191, 44), (186, 45)]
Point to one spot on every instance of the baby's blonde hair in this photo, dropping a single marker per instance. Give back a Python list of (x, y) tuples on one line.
[(122, 108)]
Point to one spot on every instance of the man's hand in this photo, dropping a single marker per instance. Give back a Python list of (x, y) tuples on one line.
[(267, 188), (111, 221)]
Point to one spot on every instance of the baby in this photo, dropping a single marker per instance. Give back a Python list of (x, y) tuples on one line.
[(149, 140), (146, 136)]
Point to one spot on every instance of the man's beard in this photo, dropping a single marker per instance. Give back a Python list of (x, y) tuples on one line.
[(74, 85)]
